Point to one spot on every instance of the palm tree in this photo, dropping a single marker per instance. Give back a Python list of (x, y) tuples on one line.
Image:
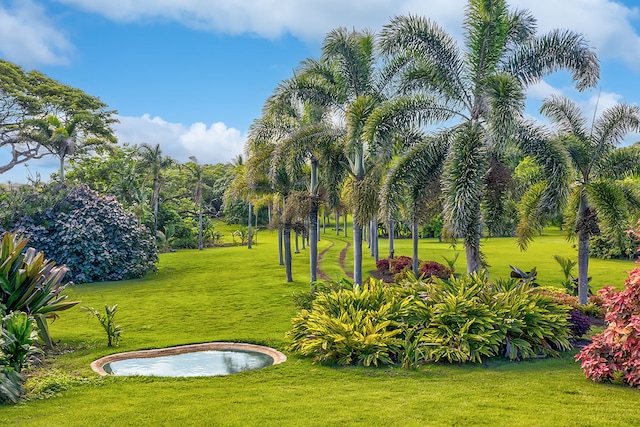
[(349, 82), (413, 180), (154, 163), (482, 86), (599, 196), (197, 172)]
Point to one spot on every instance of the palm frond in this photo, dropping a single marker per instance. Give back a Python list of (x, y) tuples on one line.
[(614, 123), (535, 142), (566, 115), (609, 200), (620, 163), (531, 223), (559, 49)]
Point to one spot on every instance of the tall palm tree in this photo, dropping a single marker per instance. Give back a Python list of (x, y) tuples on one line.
[(598, 196), (154, 163), (351, 82), (197, 172), (481, 90)]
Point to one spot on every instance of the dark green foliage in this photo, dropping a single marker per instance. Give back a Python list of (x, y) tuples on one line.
[(93, 235), (605, 247)]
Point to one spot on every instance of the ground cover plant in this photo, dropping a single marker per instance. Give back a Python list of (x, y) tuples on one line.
[(194, 297)]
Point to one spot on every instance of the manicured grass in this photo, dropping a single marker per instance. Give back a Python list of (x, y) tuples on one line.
[(237, 294)]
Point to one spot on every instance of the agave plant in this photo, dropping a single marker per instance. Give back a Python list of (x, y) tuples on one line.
[(31, 283)]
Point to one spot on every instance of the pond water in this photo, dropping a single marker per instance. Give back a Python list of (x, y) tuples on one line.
[(194, 364)]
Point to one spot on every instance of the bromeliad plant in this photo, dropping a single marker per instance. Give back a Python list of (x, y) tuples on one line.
[(31, 283)]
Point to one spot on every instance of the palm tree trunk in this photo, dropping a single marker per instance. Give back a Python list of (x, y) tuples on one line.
[(249, 228), (391, 237), (280, 246), (345, 224), (297, 243), (376, 248), (313, 252), (62, 168), (472, 249), (357, 252), (414, 235), (287, 250), (337, 222), (583, 267), (200, 225)]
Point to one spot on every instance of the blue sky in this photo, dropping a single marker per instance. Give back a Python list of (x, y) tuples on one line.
[(193, 74)]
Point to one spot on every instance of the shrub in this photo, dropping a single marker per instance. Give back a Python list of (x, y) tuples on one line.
[(383, 265), (350, 326), (30, 283), (400, 264), (455, 320), (434, 269), (19, 334), (605, 247), (560, 296), (93, 235), (615, 352), (579, 323)]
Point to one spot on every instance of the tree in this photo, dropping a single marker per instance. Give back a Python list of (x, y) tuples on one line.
[(600, 195), (28, 97), (197, 172), (154, 163), (482, 86), (350, 82), (414, 180)]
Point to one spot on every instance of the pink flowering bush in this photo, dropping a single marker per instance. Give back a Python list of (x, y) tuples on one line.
[(615, 353)]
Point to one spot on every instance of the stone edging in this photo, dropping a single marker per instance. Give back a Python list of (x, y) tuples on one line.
[(98, 365)]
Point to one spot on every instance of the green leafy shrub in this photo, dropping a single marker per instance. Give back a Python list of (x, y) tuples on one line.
[(19, 334), (605, 247), (614, 353), (92, 234), (30, 283), (10, 385), (107, 321), (463, 319), (349, 326), (560, 296)]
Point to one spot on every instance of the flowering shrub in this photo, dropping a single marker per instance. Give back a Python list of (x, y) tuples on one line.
[(615, 353), (432, 268)]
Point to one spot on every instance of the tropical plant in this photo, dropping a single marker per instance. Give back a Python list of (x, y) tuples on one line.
[(197, 172), (600, 196), (615, 352), (30, 283), (483, 86), (153, 162), (19, 334), (107, 321)]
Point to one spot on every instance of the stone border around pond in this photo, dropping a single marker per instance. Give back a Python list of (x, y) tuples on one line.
[(98, 365)]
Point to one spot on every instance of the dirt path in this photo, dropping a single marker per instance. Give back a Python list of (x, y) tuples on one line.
[(343, 256), (321, 274)]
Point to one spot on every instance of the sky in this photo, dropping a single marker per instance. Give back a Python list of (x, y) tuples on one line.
[(192, 75)]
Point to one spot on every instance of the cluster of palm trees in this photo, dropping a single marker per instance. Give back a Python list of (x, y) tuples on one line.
[(364, 117)]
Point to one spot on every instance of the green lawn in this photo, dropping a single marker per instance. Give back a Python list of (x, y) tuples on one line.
[(237, 294)]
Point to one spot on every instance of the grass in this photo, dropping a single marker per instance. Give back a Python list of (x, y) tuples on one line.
[(237, 294)]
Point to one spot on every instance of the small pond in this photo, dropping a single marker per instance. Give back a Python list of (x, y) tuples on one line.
[(208, 359)]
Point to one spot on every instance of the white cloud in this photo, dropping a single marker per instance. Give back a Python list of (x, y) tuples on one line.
[(216, 143), (29, 37), (542, 90), (608, 24)]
